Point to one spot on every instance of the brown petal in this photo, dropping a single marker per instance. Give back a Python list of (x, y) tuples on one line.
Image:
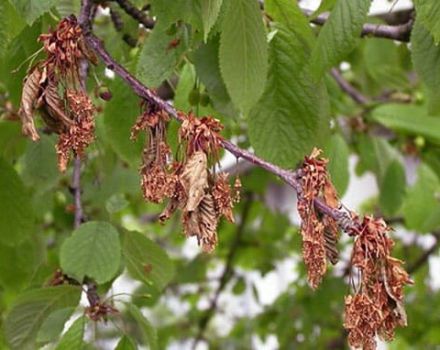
[(31, 91)]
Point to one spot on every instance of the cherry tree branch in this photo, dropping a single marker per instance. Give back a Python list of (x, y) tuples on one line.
[(288, 176), (349, 89), (137, 14)]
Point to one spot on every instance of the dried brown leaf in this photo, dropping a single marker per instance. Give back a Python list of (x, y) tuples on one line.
[(30, 94), (194, 179)]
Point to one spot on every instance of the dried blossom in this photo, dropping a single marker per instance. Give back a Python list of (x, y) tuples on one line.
[(319, 234), (194, 179), (201, 135), (382, 279), (81, 133), (224, 202), (156, 182), (100, 311)]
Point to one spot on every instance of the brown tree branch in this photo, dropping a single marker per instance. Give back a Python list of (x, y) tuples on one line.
[(137, 14), (349, 89), (401, 32), (227, 271)]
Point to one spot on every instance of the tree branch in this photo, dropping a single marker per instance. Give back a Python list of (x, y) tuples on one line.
[(345, 86), (399, 32), (137, 14), (422, 259), (227, 272)]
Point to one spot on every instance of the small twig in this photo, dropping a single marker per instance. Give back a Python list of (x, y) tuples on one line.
[(76, 188), (137, 14), (422, 259), (119, 26), (401, 32), (227, 272), (345, 86)]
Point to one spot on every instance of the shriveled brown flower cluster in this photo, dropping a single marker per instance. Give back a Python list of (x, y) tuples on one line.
[(376, 308), (319, 233), (53, 88), (189, 182)]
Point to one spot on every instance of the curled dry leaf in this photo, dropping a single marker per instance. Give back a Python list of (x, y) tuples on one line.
[(202, 223), (30, 94), (194, 179)]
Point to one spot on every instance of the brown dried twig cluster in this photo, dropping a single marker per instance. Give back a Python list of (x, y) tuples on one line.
[(53, 87), (189, 182)]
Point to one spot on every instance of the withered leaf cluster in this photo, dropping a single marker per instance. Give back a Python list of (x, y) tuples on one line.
[(376, 308), (53, 88), (189, 183), (319, 232)]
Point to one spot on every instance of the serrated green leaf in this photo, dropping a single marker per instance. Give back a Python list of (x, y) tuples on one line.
[(126, 343), (421, 207), (68, 7), (31, 309), (291, 117), (339, 35), (53, 325), (146, 261), (243, 53), (324, 6), (409, 119), (159, 56), (381, 60), (428, 13), (16, 215), (210, 12), (11, 23), (425, 55), (93, 250), (392, 189), (148, 332), (40, 168), (17, 263), (32, 9), (120, 114), (206, 61), (172, 11), (337, 152), (73, 339)]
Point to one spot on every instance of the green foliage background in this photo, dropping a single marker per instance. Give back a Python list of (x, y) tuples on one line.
[(266, 76)]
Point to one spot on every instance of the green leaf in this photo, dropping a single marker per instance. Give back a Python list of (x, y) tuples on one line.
[(53, 325), (126, 343), (120, 114), (291, 117), (16, 215), (172, 11), (339, 35), (392, 189), (428, 13), (337, 152), (409, 119), (206, 61), (243, 53), (40, 164), (11, 23), (68, 7), (381, 58), (11, 146), (32, 9), (146, 261), (149, 334), (18, 263), (73, 339), (426, 58), (32, 308), (326, 5), (93, 250), (158, 56), (421, 207), (210, 12)]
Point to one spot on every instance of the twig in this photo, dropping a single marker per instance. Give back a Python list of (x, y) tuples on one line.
[(137, 14), (422, 259), (76, 188), (345, 86), (227, 272), (401, 32)]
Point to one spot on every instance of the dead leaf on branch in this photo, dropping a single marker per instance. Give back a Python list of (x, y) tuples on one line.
[(194, 179)]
